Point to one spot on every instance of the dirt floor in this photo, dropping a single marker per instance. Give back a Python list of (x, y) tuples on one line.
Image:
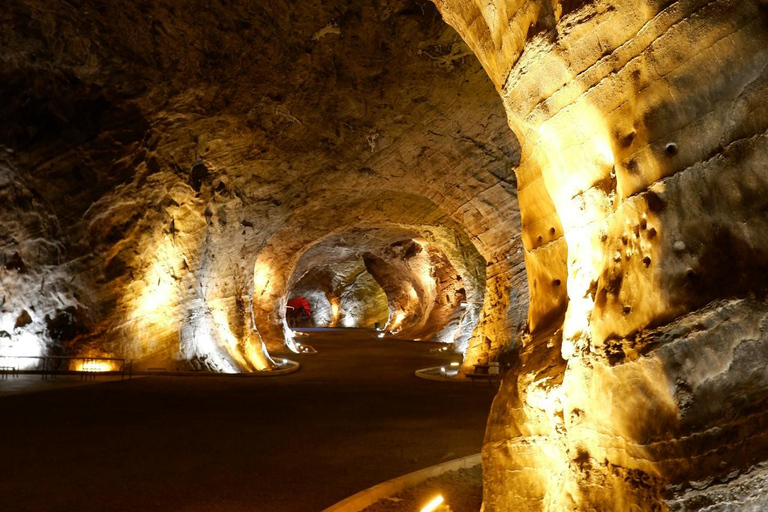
[(462, 491), (353, 416)]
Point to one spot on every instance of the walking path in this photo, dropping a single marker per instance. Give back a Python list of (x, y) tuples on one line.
[(354, 415)]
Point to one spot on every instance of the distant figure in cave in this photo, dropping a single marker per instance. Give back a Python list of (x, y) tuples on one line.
[(298, 312)]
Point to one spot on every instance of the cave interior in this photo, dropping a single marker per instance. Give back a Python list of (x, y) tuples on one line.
[(575, 190)]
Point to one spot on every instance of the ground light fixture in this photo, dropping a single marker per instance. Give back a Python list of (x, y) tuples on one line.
[(95, 367), (449, 372), (432, 505)]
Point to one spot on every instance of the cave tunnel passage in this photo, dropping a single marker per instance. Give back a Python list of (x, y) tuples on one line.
[(171, 172), (163, 168), (390, 278), (342, 294), (178, 166)]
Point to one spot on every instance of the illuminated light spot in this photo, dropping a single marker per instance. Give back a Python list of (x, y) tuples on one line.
[(335, 312), (248, 354), (154, 297), (399, 317), (432, 505), (454, 363), (261, 277), (96, 366), (21, 351)]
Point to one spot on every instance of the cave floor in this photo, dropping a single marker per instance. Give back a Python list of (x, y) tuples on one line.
[(24, 384), (354, 415)]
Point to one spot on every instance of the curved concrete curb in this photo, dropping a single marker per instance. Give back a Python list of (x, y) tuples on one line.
[(422, 374), (309, 350), (359, 501), (289, 367)]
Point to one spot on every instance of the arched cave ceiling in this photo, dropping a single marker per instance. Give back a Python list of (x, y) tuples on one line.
[(154, 150)]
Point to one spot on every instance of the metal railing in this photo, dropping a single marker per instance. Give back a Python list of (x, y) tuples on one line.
[(50, 367)]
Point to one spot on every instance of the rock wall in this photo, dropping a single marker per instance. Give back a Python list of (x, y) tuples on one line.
[(641, 185), (175, 144), (343, 294), (38, 302), (364, 303), (423, 289)]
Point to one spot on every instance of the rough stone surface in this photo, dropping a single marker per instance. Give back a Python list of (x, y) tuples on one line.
[(167, 161), (343, 294), (171, 170), (642, 186)]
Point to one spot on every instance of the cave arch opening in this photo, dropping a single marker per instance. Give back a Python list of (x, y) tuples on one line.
[(341, 294), (191, 193), (394, 278)]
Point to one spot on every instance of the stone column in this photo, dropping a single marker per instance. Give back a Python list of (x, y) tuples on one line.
[(642, 188)]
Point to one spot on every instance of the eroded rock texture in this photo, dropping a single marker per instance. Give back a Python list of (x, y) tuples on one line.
[(168, 163), (642, 186), (343, 294)]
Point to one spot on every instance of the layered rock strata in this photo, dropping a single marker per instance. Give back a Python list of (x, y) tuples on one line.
[(642, 186), (169, 143)]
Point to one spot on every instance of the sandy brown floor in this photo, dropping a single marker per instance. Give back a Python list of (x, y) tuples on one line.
[(353, 416)]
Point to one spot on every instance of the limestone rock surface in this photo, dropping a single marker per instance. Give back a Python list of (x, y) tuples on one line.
[(181, 156), (642, 185)]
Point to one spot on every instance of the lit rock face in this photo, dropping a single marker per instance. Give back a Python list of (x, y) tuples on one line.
[(343, 294), (363, 303), (424, 290), (422, 281), (642, 187), (30, 228), (178, 146)]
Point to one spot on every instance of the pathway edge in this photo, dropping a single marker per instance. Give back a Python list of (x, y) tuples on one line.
[(369, 496)]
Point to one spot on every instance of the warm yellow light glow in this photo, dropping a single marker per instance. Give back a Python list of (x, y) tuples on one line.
[(398, 319), (335, 312), (157, 296), (454, 363), (96, 366), (157, 292), (261, 275), (575, 150), (254, 353), (432, 505), (546, 396), (250, 355)]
